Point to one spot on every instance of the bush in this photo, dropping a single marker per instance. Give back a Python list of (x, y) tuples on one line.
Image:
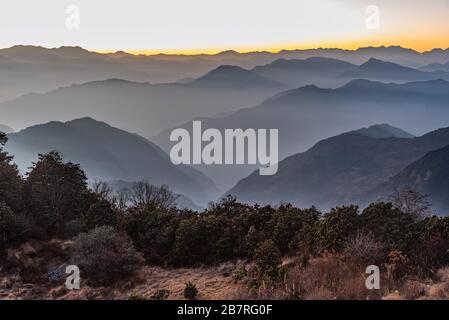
[(337, 226), (104, 255), (268, 258), (100, 213), (328, 278), (364, 249), (152, 232), (10, 180), (190, 291), (11, 225), (55, 192), (160, 295), (390, 226), (292, 226)]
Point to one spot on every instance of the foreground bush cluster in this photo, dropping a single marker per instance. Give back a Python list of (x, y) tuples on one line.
[(112, 232)]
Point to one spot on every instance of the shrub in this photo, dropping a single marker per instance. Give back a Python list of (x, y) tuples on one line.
[(292, 226), (268, 258), (100, 213), (10, 180), (152, 232), (11, 225), (328, 278), (391, 226), (337, 226), (413, 203), (430, 251), (397, 266), (160, 295), (363, 249), (104, 255), (190, 291), (55, 192)]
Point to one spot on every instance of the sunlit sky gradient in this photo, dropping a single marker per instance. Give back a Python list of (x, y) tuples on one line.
[(208, 26)]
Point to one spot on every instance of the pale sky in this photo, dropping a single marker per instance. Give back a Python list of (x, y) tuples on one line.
[(214, 25)]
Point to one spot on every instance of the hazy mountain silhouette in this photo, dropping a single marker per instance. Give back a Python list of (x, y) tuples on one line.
[(142, 107), (5, 129), (235, 77), (296, 73), (436, 67), (384, 131), (309, 114), (338, 170), (428, 175), (108, 153), (375, 69), (26, 69)]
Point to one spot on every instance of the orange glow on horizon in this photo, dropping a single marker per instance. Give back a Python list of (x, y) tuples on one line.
[(410, 43)]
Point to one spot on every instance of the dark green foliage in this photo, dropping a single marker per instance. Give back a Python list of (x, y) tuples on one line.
[(268, 258), (431, 245), (11, 226), (190, 291), (55, 193), (54, 201), (153, 233), (104, 255), (337, 226), (294, 228), (100, 213), (390, 226), (10, 180)]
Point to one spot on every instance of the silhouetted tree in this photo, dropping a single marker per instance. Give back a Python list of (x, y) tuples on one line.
[(55, 193), (337, 226), (412, 202), (10, 180)]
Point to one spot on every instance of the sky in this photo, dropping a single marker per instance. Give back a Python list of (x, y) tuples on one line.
[(208, 26)]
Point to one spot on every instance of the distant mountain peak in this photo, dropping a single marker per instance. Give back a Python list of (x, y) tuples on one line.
[(108, 153), (384, 130), (234, 75), (6, 129)]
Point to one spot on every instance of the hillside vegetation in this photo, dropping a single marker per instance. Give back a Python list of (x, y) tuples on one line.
[(113, 237)]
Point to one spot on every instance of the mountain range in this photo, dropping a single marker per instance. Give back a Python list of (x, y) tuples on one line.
[(436, 67), (428, 175), (27, 69), (375, 69), (349, 167), (309, 114), (107, 153), (142, 107)]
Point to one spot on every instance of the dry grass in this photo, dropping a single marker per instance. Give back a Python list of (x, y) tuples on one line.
[(327, 278), (211, 284)]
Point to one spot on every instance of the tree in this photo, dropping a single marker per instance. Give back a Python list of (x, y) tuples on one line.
[(291, 226), (389, 225), (10, 180), (105, 255), (10, 225), (338, 225), (100, 213), (412, 202), (268, 258), (152, 232), (147, 196), (55, 193)]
